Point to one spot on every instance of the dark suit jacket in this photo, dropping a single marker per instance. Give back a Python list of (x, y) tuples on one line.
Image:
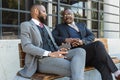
[(61, 32)]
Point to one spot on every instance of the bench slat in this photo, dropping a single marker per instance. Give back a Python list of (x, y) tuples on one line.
[(21, 56), (42, 76)]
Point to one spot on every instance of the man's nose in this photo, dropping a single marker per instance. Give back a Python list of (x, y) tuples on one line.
[(45, 14)]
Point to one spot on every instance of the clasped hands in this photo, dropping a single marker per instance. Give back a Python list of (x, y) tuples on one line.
[(74, 41), (63, 50)]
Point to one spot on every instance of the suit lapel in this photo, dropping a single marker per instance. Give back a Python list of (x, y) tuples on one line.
[(49, 33), (80, 29), (79, 26), (36, 30), (66, 30)]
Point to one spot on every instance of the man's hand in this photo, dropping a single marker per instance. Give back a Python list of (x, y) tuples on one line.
[(65, 47), (68, 40), (76, 42), (58, 54)]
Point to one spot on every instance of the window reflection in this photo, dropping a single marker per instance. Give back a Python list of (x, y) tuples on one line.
[(24, 17), (18, 11), (54, 19), (78, 11), (12, 4), (9, 17), (94, 24), (95, 15), (26, 4)]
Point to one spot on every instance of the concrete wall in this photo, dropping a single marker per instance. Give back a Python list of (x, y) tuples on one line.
[(9, 59), (114, 47)]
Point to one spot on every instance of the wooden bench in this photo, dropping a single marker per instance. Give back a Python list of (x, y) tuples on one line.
[(41, 76), (36, 76)]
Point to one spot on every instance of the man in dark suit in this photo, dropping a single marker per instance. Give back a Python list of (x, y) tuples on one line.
[(42, 54), (78, 35)]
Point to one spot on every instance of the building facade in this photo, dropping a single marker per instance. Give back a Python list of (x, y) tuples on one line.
[(101, 16)]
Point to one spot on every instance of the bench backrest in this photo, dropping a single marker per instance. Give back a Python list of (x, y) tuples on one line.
[(22, 54)]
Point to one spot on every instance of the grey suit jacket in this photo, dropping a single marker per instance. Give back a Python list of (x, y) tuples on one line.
[(32, 43)]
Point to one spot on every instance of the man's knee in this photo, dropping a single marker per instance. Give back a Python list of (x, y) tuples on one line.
[(80, 51), (99, 43)]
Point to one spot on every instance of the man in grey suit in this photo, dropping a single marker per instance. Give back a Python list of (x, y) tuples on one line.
[(42, 54)]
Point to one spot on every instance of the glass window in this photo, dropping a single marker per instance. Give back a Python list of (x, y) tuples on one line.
[(9, 17), (95, 15), (12, 4), (94, 5), (94, 24), (26, 4), (18, 11), (54, 9), (54, 21), (15, 14), (80, 20), (78, 10), (10, 32), (24, 17)]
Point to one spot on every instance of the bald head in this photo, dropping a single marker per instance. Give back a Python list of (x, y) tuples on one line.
[(38, 11), (34, 8), (68, 16), (67, 10)]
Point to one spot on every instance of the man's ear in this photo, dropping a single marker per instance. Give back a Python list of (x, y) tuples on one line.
[(36, 10)]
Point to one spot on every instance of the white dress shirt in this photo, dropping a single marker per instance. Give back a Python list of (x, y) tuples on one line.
[(73, 25)]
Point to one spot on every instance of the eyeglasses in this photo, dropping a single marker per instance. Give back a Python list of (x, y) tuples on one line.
[(67, 15)]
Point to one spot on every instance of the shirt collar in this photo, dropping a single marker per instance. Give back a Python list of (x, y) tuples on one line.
[(73, 23), (35, 21)]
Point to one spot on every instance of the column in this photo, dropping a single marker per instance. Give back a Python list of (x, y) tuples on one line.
[(49, 12), (89, 15)]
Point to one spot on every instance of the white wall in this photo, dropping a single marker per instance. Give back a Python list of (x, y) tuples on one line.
[(9, 59), (114, 47), (111, 18)]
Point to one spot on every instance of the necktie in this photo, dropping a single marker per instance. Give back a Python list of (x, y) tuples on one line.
[(41, 25)]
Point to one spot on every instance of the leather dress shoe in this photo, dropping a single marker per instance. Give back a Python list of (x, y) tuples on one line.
[(118, 77)]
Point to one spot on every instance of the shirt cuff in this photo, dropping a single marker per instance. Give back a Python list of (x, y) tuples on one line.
[(46, 53)]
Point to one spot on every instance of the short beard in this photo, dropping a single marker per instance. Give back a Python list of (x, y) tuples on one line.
[(42, 20)]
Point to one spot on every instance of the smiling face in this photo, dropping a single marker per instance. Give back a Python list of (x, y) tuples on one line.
[(68, 16)]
